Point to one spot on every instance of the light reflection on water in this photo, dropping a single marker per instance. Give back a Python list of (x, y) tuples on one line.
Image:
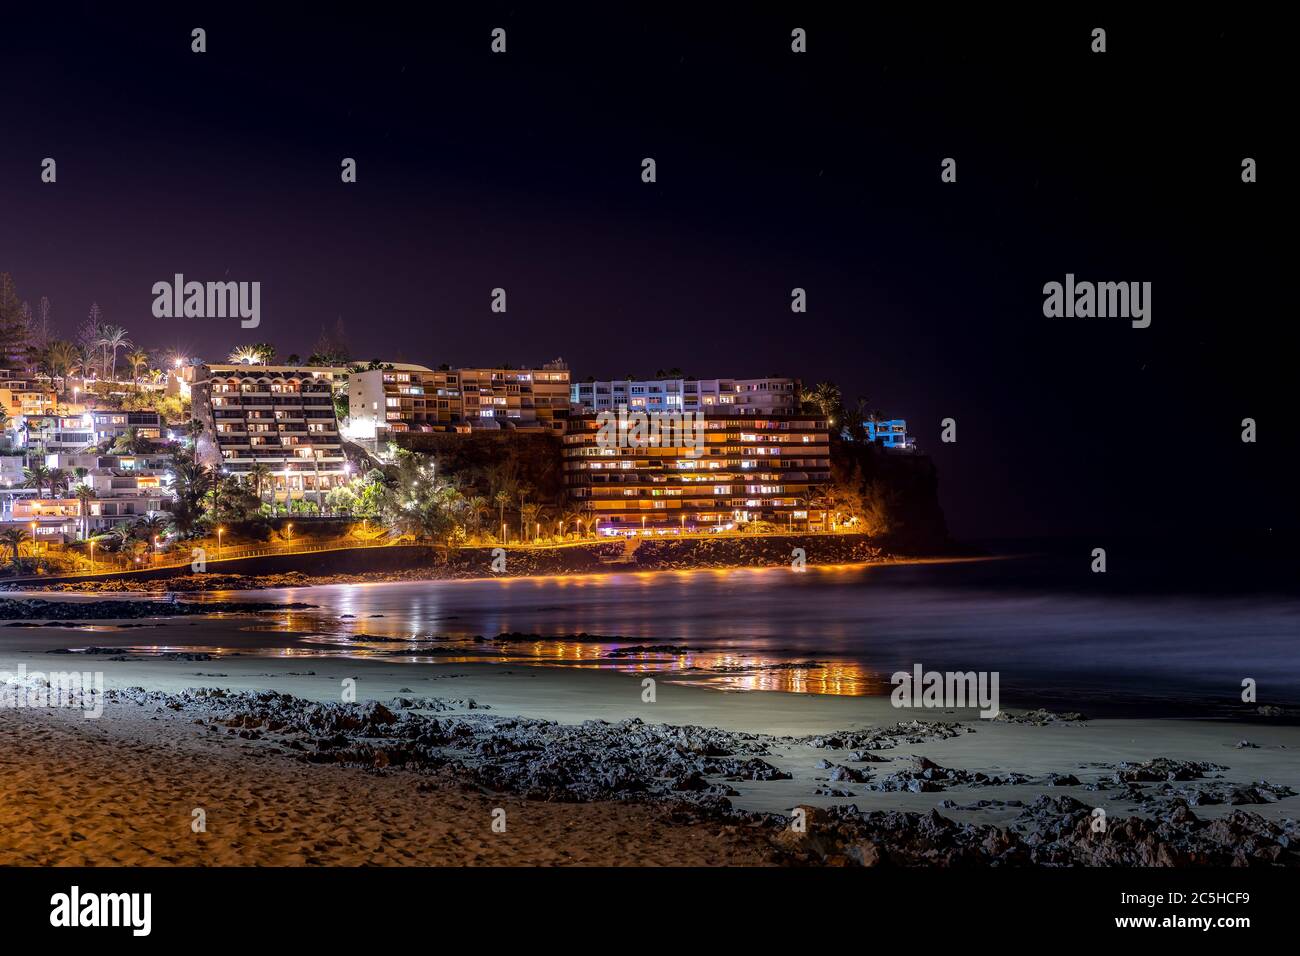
[(743, 628)]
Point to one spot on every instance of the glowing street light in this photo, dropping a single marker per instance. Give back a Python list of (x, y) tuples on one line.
[(289, 531), (220, 532), (92, 555)]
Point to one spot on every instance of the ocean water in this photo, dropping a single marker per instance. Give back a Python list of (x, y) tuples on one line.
[(1151, 635)]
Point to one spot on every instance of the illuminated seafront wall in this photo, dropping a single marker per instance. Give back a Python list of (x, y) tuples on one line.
[(411, 561)]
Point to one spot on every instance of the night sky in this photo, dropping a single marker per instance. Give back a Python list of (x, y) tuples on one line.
[(775, 170)]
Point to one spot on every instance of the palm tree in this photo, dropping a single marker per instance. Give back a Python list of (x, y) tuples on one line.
[(476, 509), (258, 473), (258, 353), (113, 339), (132, 441), (826, 396), (149, 529), (13, 538), (119, 539), (569, 517), (61, 358), (501, 499), (137, 360), (37, 476), (84, 494), (87, 357), (527, 515), (59, 481)]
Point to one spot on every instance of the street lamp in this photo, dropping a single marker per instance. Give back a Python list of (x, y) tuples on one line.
[(220, 532), (155, 549), (288, 529), (35, 547), (92, 555), (503, 532)]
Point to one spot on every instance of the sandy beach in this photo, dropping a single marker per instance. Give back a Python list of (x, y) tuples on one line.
[(122, 788), (122, 791)]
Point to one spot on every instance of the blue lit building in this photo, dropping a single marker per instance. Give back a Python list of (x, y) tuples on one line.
[(891, 434)]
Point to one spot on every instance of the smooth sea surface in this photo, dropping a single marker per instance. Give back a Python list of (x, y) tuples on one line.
[(1155, 636)]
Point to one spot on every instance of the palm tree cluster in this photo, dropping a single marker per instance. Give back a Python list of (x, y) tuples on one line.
[(133, 539), (826, 398), (414, 501), (205, 496), (56, 480), (259, 353), (13, 539)]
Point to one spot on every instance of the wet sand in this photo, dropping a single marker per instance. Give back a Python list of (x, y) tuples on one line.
[(120, 789)]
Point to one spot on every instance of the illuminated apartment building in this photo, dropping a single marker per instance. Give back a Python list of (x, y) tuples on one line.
[(746, 396), (414, 398), (52, 434), (411, 400), (278, 416), (19, 398), (112, 425), (751, 468)]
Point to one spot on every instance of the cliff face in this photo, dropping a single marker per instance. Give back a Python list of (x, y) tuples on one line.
[(897, 493)]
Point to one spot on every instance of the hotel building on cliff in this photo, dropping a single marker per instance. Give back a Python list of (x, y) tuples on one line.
[(278, 416), (751, 468)]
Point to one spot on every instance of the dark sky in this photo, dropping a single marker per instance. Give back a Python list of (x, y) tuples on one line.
[(774, 171)]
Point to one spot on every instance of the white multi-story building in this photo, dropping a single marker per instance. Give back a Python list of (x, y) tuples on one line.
[(125, 487), (62, 518), (278, 417), (743, 396)]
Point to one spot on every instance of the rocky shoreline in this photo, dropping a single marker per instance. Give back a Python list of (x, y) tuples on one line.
[(70, 613), (688, 771)]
